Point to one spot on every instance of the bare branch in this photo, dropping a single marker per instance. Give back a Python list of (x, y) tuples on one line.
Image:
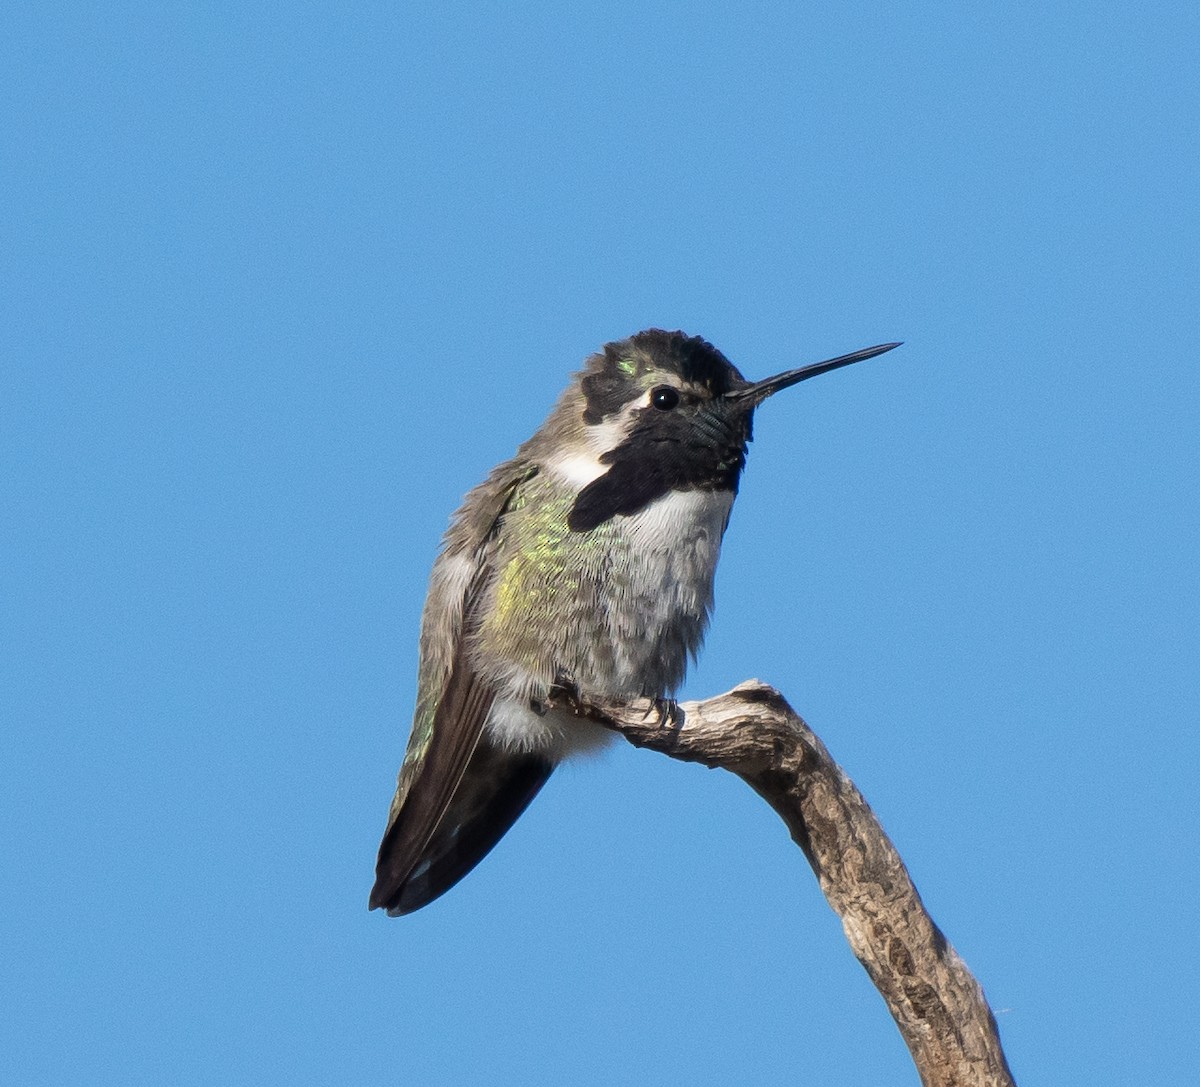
[(752, 732)]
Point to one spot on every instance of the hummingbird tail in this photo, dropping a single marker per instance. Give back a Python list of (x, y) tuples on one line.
[(495, 789)]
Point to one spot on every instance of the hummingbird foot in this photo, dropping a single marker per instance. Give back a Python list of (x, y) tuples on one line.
[(668, 712), (563, 689)]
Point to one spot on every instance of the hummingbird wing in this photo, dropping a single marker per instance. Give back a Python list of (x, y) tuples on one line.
[(494, 790), (457, 793)]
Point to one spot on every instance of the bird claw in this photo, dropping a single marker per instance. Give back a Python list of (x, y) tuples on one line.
[(668, 712), (563, 689)]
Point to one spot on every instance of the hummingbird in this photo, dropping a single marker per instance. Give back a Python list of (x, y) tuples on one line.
[(585, 562)]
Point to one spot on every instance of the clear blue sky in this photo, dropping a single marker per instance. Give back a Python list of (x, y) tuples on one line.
[(279, 284)]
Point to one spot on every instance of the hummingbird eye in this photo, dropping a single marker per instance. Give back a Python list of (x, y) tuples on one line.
[(664, 397)]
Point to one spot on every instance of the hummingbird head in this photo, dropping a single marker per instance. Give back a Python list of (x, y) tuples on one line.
[(656, 413)]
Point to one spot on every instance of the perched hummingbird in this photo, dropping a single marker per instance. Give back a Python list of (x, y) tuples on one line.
[(586, 561)]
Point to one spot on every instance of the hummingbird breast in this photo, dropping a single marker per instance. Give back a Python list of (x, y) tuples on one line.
[(617, 609)]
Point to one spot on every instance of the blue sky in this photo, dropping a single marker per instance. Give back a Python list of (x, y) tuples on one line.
[(281, 284)]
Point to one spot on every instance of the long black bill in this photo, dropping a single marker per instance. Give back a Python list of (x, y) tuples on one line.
[(756, 392)]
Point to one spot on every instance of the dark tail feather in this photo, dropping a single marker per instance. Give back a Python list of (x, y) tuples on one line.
[(495, 789)]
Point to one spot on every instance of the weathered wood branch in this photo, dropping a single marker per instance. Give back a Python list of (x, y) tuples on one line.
[(752, 732)]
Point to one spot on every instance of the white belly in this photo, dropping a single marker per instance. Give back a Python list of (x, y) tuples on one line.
[(558, 734)]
